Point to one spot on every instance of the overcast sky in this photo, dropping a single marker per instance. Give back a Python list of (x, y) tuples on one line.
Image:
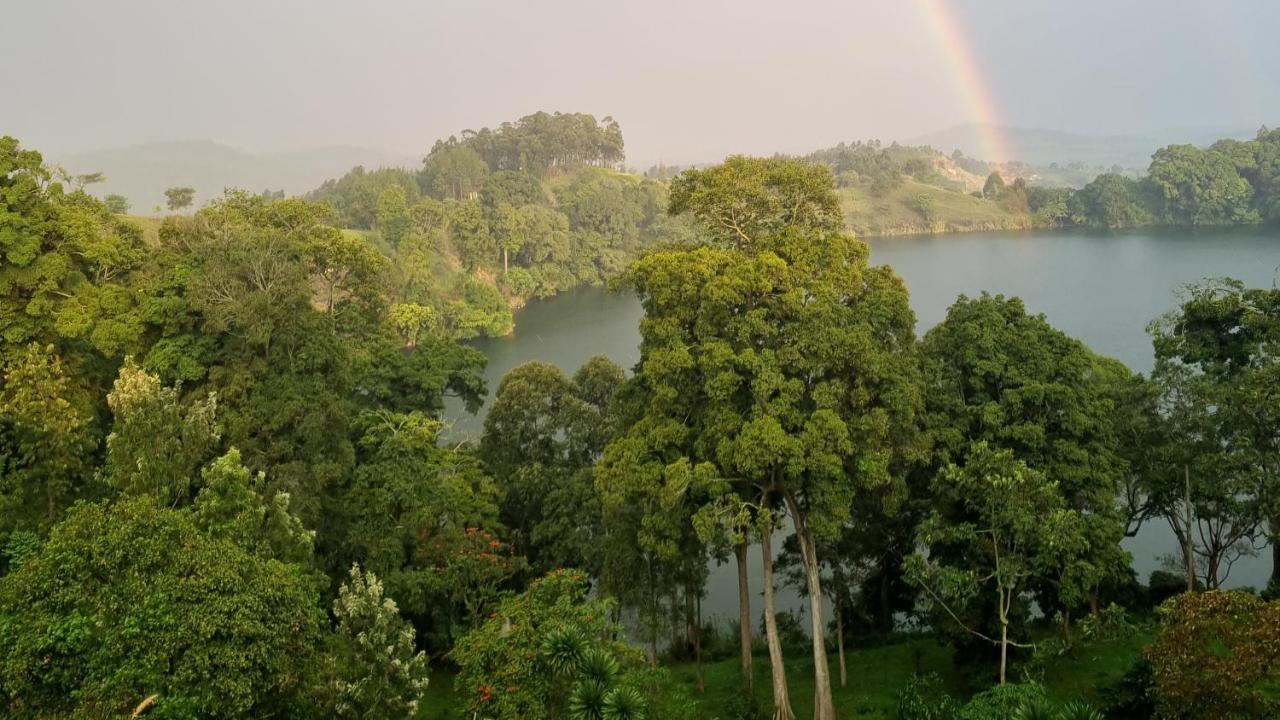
[(689, 80)]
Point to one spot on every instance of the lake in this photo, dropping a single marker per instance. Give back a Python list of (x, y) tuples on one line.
[(1103, 288)]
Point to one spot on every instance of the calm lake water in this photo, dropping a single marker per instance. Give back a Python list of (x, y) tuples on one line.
[(1103, 288)]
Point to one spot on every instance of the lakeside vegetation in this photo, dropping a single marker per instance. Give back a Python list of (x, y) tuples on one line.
[(224, 494)]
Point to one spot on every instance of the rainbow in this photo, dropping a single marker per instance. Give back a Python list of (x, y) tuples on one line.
[(969, 75)]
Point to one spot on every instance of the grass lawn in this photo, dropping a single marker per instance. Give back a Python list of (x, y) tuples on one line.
[(876, 675)]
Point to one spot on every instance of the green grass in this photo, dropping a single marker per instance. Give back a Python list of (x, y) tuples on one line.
[(897, 213), (876, 675)]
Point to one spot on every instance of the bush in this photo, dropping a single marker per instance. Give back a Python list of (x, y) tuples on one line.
[(1133, 696), (1164, 585), (924, 698), (1217, 655), (1002, 702), (1111, 623)]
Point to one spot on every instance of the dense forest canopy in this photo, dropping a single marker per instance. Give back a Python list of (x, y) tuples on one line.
[(225, 490), (532, 208)]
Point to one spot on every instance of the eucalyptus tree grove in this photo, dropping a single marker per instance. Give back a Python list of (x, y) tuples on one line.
[(778, 369)]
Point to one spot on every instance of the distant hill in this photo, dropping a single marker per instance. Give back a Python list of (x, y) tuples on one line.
[(1046, 147), (142, 172)]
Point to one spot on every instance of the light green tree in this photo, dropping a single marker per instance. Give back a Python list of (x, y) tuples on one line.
[(1016, 521), (379, 674)]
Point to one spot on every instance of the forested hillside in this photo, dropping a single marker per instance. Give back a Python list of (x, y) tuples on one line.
[(895, 189), (502, 215)]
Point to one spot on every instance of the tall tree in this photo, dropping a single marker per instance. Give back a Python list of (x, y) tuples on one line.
[(778, 368)]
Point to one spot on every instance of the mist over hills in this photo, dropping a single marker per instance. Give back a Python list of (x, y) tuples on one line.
[(1036, 146), (142, 172)]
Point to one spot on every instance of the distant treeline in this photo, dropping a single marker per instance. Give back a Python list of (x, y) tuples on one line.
[(1232, 182)]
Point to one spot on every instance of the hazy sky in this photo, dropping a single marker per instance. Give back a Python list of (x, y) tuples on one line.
[(689, 80)]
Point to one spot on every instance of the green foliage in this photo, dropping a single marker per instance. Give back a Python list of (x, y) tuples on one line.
[(46, 436), (231, 506), (1110, 201), (453, 171), (505, 672), (1010, 380), (994, 187), (997, 524), (393, 214), (132, 600), (1217, 656), (1132, 696), (1201, 187), (1002, 702), (157, 441), (409, 515), (358, 196), (542, 142), (378, 673), (924, 698), (117, 204), (179, 198), (541, 440)]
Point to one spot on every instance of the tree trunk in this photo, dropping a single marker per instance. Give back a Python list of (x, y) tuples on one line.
[(781, 698), (744, 616), (1188, 542), (1093, 601), (1066, 626), (823, 706), (844, 677), (697, 641), (1274, 524), (1004, 648), (504, 259)]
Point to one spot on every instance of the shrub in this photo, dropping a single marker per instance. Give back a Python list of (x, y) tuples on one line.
[(1133, 696), (510, 666), (924, 698), (1164, 585), (1217, 655), (1002, 702), (1111, 623)]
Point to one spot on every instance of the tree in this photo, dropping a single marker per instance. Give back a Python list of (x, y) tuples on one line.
[(67, 263), (231, 505), (393, 214), (121, 605), (994, 187), (406, 514), (157, 441), (778, 369), (1201, 187), (452, 171), (378, 674), (1000, 376), (741, 201), (1110, 201), (47, 435), (178, 198), (1216, 362), (504, 673), (541, 440), (117, 204), (1017, 521)]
